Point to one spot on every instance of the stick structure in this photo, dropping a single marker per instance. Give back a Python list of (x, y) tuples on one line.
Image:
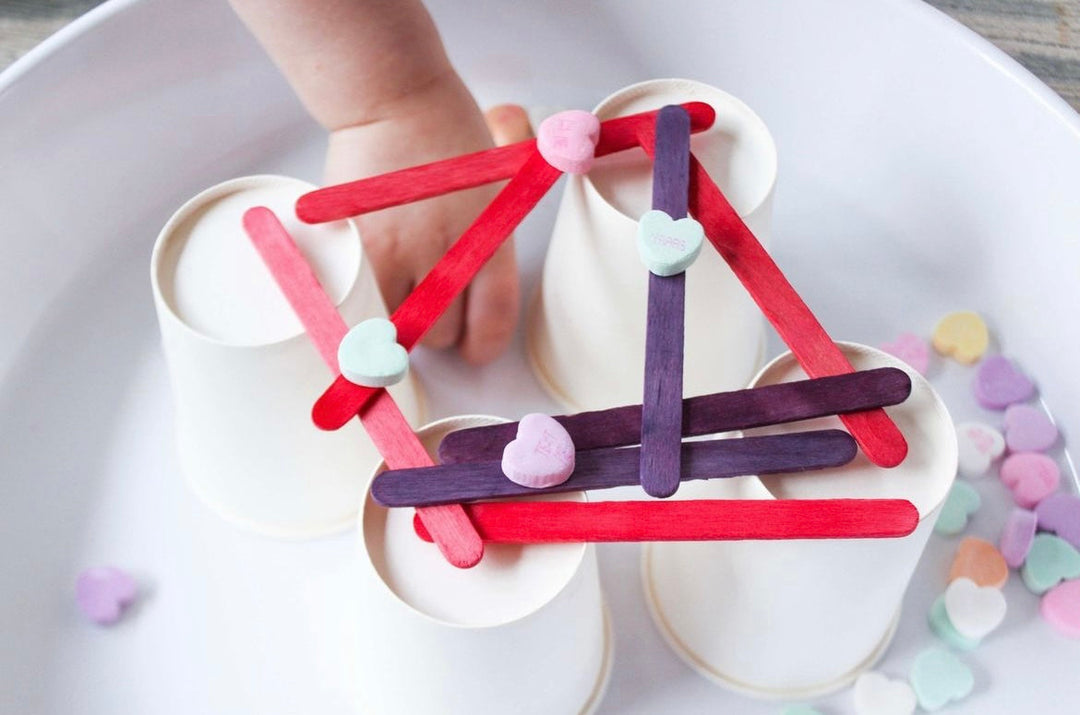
[(606, 468), (707, 414), (689, 520), (393, 437)]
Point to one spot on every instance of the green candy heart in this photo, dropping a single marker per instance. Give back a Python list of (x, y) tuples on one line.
[(370, 355), (962, 502), (945, 630), (667, 246), (1050, 561), (938, 677)]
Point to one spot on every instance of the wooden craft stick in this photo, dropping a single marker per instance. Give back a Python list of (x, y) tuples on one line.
[(415, 183), (690, 520), (661, 404), (606, 468), (397, 443), (447, 279), (875, 432), (707, 414)]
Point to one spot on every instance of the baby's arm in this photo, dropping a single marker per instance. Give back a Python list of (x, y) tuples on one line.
[(374, 73)]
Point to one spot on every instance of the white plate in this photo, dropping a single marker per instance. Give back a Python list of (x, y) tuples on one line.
[(921, 171)]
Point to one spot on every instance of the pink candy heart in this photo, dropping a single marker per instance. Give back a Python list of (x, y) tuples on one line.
[(567, 140), (1028, 429), (1061, 608), (1060, 513), (103, 593), (911, 349), (999, 383), (1017, 536), (1030, 476), (542, 454)]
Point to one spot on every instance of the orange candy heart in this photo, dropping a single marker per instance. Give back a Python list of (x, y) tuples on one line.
[(979, 561)]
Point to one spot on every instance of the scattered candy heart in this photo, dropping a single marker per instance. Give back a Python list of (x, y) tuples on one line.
[(945, 630), (979, 445), (975, 611), (962, 502), (979, 561), (1060, 513), (668, 247), (912, 349), (875, 694), (1061, 608), (542, 454), (1050, 561), (567, 140), (999, 383), (938, 678), (370, 355), (962, 335), (102, 593), (1017, 536), (1030, 476), (1028, 429)]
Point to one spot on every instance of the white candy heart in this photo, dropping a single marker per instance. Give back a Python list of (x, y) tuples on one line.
[(876, 694), (667, 246), (974, 610), (980, 444)]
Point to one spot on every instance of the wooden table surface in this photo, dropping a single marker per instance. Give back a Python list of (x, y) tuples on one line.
[(1043, 35)]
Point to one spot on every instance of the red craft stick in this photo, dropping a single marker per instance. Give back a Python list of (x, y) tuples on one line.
[(875, 432), (333, 203), (447, 279), (690, 520), (397, 443)]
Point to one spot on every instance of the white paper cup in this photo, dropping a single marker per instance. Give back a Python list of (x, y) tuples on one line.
[(524, 631), (796, 619), (244, 373), (586, 331)]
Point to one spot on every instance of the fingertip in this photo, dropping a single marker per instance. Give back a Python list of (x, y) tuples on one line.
[(508, 123)]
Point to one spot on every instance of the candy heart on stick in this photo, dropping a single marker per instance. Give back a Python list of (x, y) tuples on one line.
[(541, 456), (567, 140)]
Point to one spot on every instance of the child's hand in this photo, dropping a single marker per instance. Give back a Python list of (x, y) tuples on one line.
[(403, 243)]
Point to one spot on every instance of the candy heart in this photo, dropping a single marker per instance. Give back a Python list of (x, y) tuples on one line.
[(567, 140), (1017, 536), (370, 355), (1030, 476), (876, 694), (978, 560), (911, 349), (978, 445), (1061, 608), (1060, 513), (962, 335), (1050, 561), (667, 247), (938, 677), (974, 610), (542, 454), (945, 630), (103, 593), (962, 501), (1028, 429), (999, 383)]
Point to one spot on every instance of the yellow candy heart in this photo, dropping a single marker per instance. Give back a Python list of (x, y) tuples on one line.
[(963, 335)]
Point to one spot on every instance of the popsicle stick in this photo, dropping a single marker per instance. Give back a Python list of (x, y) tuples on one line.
[(606, 468), (707, 414), (537, 522), (387, 427), (661, 404), (415, 316), (415, 183)]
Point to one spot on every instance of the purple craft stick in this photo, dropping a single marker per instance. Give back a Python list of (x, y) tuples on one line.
[(606, 468), (707, 414), (661, 405)]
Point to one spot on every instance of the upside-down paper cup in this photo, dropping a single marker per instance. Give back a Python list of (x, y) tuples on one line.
[(795, 619), (244, 373), (524, 631), (586, 332)]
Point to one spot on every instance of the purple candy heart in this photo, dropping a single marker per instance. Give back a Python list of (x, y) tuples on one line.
[(1060, 513), (103, 593), (1028, 429), (999, 383), (1017, 536)]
